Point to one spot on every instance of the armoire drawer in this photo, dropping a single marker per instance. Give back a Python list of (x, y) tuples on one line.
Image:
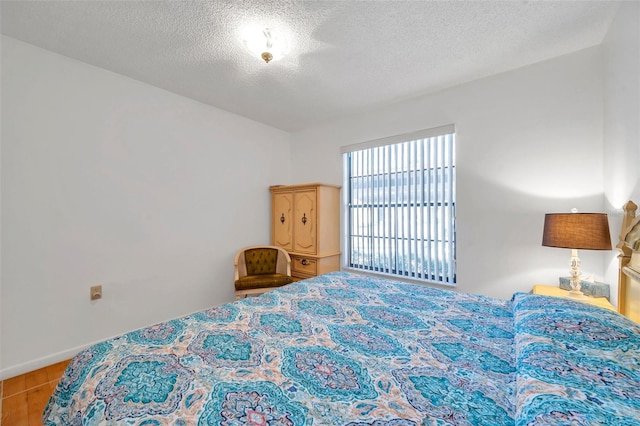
[(304, 265)]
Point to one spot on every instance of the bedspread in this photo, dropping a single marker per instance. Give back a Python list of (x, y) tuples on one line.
[(576, 364), (347, 349)]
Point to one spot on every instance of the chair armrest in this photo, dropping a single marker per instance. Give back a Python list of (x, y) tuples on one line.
[(239, 266), (283, 265)]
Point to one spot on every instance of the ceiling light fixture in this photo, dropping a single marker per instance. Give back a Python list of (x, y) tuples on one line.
[(266, 44)]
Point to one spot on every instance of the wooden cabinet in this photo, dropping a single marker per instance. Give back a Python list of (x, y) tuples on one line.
[(305, 221), (549, 290)]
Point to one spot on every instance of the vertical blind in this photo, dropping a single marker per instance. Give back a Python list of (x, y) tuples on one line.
[(401, 205)]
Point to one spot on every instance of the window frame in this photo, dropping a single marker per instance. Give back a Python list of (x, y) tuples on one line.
[(441, 269)]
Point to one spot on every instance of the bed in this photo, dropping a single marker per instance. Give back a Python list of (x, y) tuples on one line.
[(347, 349)]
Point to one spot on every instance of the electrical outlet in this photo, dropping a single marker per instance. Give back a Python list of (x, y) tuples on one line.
[(96, 292)]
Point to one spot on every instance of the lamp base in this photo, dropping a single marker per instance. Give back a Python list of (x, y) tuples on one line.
[(576, 295)]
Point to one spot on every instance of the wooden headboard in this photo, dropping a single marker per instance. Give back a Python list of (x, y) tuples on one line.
[(629, 270)]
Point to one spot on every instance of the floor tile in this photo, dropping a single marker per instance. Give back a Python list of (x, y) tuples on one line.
[(37, 399), (14, 410), (26, 396), (14, 385), (36, 378), (55, 371)]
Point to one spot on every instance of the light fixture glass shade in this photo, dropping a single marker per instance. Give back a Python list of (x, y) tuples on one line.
[(585, 231), (266, 44)]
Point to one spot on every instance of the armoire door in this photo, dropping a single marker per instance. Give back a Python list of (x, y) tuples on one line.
[(282, 220), (304, 222)]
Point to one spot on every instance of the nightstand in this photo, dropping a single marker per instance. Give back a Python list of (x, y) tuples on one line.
[(549, 290)]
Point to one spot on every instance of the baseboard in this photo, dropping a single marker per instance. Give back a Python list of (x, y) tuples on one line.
[(45, 361)]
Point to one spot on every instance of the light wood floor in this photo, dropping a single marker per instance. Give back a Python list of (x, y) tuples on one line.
[(24, 397)]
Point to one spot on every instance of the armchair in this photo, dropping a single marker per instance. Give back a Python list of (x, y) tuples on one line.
[(259, 269)]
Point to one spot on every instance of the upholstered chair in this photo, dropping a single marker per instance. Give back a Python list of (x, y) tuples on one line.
[(259, 269)]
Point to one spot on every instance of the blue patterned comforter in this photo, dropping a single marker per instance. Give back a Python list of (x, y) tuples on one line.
[(345, 349)]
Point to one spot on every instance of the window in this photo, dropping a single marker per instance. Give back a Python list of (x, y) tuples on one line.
[(401, 205)]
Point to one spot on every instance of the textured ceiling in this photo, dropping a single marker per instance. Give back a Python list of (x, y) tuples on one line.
[(345, 56)]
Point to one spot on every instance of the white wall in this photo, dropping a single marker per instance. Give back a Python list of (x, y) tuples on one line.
[(106, 180), (529, 142), (621, 119)]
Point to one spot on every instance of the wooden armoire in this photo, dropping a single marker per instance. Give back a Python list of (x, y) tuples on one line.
[(305, 221)]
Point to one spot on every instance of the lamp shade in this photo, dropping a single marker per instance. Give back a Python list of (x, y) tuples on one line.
[(585, 231)]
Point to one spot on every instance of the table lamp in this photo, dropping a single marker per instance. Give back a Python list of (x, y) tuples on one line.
[(584, 231)]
